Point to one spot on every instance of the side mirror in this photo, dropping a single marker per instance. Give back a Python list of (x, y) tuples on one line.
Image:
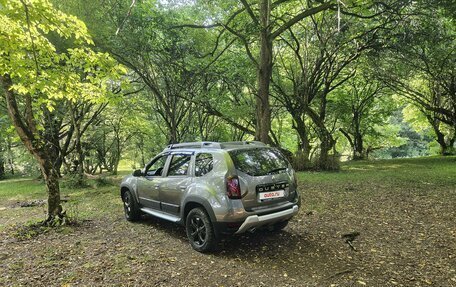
[(137, 173)]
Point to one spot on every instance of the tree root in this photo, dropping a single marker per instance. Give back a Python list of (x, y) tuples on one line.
[(59, 219)]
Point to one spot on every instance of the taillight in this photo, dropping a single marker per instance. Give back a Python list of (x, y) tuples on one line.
[(233, 188)]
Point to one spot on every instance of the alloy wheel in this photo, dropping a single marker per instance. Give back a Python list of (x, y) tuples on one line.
[(198, 232)]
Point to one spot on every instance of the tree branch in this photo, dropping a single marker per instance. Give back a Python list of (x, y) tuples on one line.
[(196, 26), (244, 41), (126, 17), (249, 11), (277, 3), (300, 16)]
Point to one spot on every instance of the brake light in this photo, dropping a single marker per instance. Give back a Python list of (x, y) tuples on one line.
[(233, 188)]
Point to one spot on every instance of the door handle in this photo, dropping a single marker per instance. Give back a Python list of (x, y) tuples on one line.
[(157, 186), (183, 187)]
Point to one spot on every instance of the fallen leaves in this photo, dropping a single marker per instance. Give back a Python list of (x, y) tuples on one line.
[(408, 238)]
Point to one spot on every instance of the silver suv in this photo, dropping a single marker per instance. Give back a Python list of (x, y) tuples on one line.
[(214, 189)]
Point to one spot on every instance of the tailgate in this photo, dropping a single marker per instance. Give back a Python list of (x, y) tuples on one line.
[(265, 176)]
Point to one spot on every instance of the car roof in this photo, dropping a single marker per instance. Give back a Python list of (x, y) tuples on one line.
[(192, 146)]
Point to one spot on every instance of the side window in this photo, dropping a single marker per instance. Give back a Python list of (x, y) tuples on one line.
[(179, 164), (156, 169), (204, 162)]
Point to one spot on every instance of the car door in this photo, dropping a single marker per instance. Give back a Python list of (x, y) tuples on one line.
[(149, 184), (175, 184)]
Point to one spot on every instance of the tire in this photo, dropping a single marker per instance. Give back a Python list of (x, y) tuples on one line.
[(131, 208), (200, 231)]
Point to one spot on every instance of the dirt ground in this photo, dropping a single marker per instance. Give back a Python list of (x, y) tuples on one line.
[(407, 237)]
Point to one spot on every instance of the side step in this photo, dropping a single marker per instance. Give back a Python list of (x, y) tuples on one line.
[(160, 214)]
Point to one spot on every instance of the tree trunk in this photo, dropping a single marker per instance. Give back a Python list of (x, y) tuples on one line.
[(10, 157), (445, 149), (302, 159), (9, 154), (358, 143), (117, 151), (325, 161), (263, 110), (51, 178), (327, 142), (358, 152), (116, 160), (453, 141), (78, 146), (28, 133), (143, 158), (173, 135), (2, 167)]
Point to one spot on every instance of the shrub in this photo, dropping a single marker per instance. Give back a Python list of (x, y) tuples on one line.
[(101, 181), (330, 163), (72, 181), (300, 162)]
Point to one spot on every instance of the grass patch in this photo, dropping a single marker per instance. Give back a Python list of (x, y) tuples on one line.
[(366, 180), (97, 199), (21, 188), (403, 210), (424, 171)]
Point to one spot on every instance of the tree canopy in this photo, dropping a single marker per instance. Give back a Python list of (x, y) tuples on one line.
[(88, 85), (47, 64)]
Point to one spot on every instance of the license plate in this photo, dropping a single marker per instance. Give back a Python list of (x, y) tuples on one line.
[(272, 194)]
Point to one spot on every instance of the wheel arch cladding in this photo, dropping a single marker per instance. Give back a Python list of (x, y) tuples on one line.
[(123, 189), (194, 202)]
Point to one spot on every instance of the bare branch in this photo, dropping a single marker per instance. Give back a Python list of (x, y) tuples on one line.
[(35, 58), (218, 56), (300, 16), (277, 3), (126, 17), (249, 11), (196, 26), (244, 41)]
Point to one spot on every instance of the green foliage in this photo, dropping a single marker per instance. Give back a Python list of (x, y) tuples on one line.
[(408, 143), (200, 84), (101, 181), (420, 66), (74, 181), (301, 162), (50, 66), (30, 57), (416, 119)]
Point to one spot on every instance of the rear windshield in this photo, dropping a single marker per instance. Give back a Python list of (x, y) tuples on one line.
[(260, 161)]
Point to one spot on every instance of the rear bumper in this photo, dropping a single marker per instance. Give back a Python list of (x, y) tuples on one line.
[(255, 221)]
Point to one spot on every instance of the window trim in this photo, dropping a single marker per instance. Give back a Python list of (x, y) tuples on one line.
[(189, 169), (194, 170), (153, 161)]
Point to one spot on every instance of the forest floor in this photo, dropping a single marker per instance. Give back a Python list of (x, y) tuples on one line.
[(404, 211)]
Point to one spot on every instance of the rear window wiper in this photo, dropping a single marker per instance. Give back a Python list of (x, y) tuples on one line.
[(276, 170)]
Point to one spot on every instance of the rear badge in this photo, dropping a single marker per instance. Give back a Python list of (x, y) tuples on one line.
[(272, 194), (272, 190)]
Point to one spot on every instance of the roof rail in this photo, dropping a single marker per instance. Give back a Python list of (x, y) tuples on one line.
[(253, 143), (193, 145), (211, 144)]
